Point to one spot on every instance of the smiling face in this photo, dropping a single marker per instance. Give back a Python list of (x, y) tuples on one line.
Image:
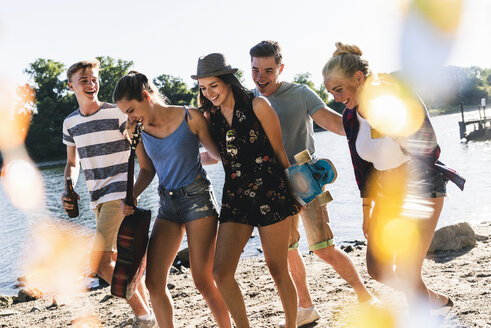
[(344, 89), (266, 74), (139, 111), (215, 90), (85, 84)]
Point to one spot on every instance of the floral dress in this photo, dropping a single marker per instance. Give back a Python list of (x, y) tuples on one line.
[(256, 191)]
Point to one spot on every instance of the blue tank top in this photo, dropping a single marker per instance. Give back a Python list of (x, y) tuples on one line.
[(176, 157)]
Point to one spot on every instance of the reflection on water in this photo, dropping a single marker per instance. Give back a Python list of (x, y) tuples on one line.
[(472, 205)]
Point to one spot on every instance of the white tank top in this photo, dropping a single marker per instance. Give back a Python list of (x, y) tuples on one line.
[(384, 153)]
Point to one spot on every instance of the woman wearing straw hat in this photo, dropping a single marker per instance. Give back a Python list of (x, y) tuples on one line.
[(170, 148), (256, 192)]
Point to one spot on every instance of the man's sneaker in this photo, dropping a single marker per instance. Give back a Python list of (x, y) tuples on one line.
[(148, 323), (304, 316)]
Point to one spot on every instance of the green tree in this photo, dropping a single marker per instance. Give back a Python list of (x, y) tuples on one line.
[(44, 73), (240, 75), (304, 78), (174, 89), (51, 106), (468, 86), (111, 71)]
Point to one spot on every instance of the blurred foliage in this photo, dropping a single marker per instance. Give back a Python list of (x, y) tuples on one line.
[(458, 84), (174, 89), (111, 71), (52, 105), (240, 76), (304, 78)]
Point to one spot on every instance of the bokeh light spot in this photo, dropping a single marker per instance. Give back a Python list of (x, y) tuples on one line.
[(57, 258), (443, 14), (23, 184), (390, 107)]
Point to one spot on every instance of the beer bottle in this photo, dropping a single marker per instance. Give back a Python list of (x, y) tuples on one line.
[(70, 193)]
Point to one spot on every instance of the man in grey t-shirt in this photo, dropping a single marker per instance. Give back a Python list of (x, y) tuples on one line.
[(297, 106)]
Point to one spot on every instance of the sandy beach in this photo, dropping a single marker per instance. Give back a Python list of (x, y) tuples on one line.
[(464, 275)]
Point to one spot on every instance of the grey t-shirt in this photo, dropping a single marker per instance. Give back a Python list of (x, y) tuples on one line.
[(295, 104)]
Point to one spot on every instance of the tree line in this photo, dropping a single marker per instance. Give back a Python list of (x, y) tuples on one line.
[(53, 101)]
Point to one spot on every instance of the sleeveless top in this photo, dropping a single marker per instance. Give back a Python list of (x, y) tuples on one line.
[(256, 191), (176, 157), (385, 153)]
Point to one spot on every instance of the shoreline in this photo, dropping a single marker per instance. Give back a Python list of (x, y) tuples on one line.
[(461, 274)]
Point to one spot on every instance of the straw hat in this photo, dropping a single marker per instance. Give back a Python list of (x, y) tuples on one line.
[(213, 64)]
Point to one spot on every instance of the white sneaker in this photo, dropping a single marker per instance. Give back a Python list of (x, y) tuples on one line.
[(148, 323), (304, 316)]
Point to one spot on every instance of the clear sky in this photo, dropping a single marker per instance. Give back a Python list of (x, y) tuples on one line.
[(168, 36)]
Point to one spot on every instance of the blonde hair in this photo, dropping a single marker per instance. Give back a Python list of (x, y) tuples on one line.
[(347, 60)]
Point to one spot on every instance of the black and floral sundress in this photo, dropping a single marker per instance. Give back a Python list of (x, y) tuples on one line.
[(256, 191)]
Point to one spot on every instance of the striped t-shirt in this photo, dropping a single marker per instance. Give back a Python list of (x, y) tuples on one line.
[(103, 151)]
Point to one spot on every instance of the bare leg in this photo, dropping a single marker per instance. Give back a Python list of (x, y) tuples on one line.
[(141, 290), (299, 275), (317, 228), (297, 265), (103, 259), (232, 237), (164, 243), (201, 241), (343, 265), (412, 270), (407, 273), (105, 268), (274, 239)]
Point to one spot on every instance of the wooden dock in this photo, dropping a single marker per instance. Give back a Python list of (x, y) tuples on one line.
[(478, 129)]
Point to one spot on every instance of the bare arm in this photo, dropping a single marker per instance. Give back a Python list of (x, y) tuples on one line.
[(145, 177), (329, 120), (147, 171), (72, 167), (367, 214), (199, 125), (271, 125), (72, 170)]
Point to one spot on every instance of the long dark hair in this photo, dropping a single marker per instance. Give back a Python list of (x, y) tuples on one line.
[(131, 87), (241, 94)]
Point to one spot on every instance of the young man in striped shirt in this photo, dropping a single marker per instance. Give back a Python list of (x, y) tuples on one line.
[(95, 135)]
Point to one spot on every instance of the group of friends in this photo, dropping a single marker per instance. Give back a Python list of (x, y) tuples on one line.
[(255, 135)]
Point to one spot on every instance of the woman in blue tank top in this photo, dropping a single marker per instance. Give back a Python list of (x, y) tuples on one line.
[(170, 148)]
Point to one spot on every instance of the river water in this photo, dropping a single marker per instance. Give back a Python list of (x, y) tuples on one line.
[(471, 159)]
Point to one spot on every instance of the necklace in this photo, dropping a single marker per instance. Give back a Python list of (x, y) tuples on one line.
[(228, 115)]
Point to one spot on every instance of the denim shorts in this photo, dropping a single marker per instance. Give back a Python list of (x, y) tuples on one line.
[(188, 203), (427, 182), (422, 181)]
